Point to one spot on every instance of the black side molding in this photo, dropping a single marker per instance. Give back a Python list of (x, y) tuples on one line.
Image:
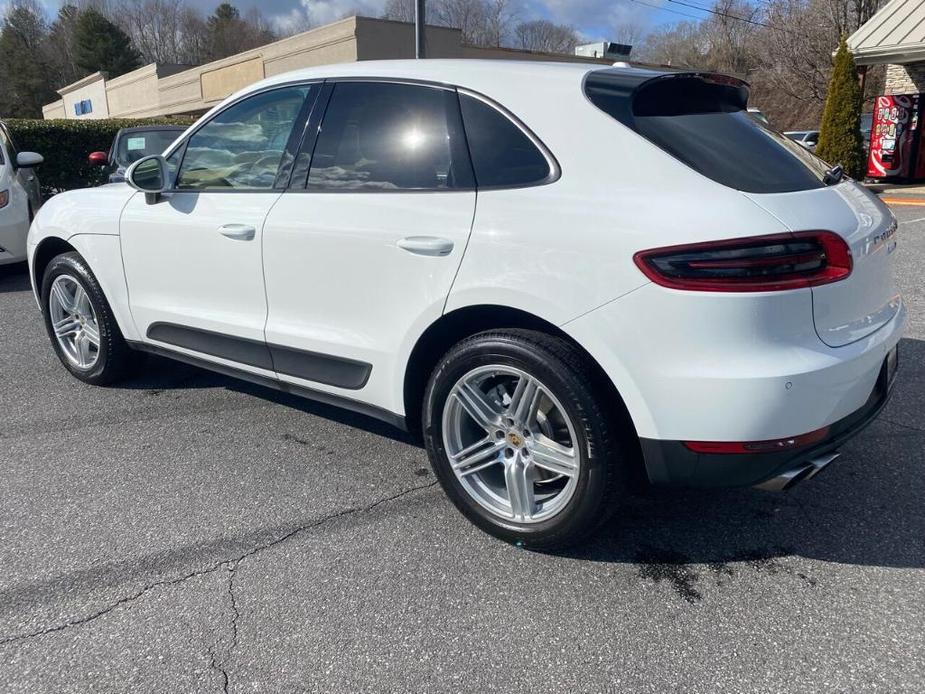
[(239, 349), (312, 366), (320, 368), (363, 408)]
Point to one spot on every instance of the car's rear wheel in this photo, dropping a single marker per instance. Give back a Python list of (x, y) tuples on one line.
[(521, 439), (80, 323)]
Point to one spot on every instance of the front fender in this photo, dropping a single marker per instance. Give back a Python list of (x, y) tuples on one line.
[(88, 221)]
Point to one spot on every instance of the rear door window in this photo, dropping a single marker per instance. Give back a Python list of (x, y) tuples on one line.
[(381, 137), (502, 153), (704, 124)]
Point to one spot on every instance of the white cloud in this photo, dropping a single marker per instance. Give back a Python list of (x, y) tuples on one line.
[(325, 11), (596, 19)]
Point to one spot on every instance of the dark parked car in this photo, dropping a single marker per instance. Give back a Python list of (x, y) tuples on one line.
[(131, 144)]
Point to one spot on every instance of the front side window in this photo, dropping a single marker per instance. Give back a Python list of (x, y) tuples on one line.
[(502, 154), (242, 147), (390, 137)]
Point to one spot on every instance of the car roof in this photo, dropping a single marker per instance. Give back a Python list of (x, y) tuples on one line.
[(149, 128), (472, 73)]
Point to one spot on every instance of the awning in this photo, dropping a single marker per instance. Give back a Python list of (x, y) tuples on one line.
[(896, 34)]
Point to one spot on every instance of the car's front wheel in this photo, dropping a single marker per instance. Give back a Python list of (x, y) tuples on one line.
[(519, 437), (80, 323)]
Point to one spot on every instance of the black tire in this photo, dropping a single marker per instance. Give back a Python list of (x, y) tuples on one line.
[(604, 444), (116, 359)]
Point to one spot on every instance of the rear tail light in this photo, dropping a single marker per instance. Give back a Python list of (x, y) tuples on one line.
[(754, 264), (773, 446), (4, 198)]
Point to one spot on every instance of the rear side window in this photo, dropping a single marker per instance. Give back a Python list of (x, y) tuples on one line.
[(379, 136), (502, 154), (702, 121)]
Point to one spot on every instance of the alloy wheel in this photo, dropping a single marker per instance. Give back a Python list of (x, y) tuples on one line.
[(74, 322), (511, 444)]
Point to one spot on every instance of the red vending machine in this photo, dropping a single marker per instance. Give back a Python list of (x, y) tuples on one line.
[(896, 142)]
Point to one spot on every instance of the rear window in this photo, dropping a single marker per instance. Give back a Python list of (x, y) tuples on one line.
[(132, 146), (702, 121)]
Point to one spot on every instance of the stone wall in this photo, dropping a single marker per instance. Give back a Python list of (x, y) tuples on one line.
[(905, 79)]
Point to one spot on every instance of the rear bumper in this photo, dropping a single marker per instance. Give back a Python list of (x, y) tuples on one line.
[(676, 465)]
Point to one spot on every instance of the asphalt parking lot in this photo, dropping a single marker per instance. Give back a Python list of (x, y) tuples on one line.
[(184, 532)]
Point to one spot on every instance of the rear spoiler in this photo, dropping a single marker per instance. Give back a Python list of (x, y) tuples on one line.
[(626, 94)]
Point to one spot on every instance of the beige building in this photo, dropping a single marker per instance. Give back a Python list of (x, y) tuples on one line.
[(162, 90), (895, 36)]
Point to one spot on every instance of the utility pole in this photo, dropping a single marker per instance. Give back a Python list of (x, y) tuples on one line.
[(419, 29)]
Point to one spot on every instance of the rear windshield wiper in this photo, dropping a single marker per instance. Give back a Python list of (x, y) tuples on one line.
[(834, 175)]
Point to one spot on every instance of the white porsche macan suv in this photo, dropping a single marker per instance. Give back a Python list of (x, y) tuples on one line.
[(559, 275)]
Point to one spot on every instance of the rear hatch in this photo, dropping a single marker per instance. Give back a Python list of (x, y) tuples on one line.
[(852, 308), (701, 120)]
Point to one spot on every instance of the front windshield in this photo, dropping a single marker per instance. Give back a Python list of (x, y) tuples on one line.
[(135, 145)]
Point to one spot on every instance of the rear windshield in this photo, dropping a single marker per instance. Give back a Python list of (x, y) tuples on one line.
[(133, 146), (702, 121)]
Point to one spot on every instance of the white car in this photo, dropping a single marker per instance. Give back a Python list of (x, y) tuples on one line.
[(560, 275), (20, 197), (807, 138)]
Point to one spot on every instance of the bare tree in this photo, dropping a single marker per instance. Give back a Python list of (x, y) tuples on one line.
[(482, 22), (400, 11), (630, 33), (546, 37)]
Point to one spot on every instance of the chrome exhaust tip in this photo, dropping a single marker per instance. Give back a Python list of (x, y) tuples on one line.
[(792, 477)]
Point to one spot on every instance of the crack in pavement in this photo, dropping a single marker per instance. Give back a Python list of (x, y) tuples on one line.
[(225, 563), (215, 666), (221, 666)]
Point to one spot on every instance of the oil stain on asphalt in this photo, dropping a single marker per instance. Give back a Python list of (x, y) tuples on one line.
[(674, 568)]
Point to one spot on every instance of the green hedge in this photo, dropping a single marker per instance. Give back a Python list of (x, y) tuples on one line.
[(65, 144)]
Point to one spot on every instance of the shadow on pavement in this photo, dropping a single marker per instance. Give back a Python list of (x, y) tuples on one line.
[(845, 515), (866, 509), (162, 374), (14, 278)]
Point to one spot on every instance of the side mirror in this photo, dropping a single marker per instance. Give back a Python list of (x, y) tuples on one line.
[(29, 159), (149, 175), (98, 159)]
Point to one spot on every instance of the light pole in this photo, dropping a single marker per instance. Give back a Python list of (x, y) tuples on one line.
[(419, 29)]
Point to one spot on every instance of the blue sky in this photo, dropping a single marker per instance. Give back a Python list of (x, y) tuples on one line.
[(595, 19)]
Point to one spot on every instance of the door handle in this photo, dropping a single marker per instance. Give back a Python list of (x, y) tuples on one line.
[(242, 232), (426, 245)]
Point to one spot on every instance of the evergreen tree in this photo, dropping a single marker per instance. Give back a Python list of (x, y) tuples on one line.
[(225, 29), (229, 33), (840, 132), (24, 71), (61, 47), (101, 45)]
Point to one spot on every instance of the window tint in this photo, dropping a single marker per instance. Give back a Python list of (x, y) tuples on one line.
[(703, 122), (381, 136), (502, 155), (243, 145), (734, 150)]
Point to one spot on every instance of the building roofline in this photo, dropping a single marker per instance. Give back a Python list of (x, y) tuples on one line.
[(83, 82)]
